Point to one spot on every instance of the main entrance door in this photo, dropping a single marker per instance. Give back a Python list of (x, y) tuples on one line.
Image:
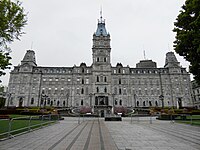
[(101, 100), (102, 107)]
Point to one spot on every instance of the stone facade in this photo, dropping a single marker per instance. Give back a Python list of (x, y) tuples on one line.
[(100, 85), (196, 94)]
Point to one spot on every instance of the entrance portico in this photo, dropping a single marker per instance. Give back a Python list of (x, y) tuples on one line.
[(102, 107)]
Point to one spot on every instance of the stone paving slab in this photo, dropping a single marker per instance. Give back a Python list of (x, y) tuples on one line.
[(90, 134), (141, 136), (95, 133)]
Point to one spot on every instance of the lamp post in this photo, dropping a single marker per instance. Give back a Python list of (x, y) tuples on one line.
[(67, 99), (90, 99), (161, 97), (135, 100), (8, 97), (91, 102), (113, 95), (45, 100), (40, 94)]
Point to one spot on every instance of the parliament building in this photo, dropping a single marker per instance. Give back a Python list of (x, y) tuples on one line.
[(99, 85)]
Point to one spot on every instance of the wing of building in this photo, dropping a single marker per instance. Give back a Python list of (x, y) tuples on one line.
[(100, 85)]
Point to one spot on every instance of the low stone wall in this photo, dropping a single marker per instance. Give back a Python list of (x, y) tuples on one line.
[(113, 118)]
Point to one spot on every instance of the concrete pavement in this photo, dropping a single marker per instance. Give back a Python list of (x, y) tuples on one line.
[(94, 133)]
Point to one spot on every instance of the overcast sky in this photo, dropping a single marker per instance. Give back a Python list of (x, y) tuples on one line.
[(60, 31)]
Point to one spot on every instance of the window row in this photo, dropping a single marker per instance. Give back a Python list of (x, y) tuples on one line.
[(123, 71), (76, 70), (78, 80), (101, 79), (101, 59)]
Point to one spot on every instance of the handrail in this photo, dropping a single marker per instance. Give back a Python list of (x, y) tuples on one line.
[(11, 133)]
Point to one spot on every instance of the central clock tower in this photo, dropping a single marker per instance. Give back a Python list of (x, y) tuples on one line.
[(101, 47), (101, 70)]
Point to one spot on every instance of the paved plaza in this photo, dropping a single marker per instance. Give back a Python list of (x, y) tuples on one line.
[(96, 134)]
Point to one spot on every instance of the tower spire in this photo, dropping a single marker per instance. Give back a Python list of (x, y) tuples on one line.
[(101, 29), (101, 18)]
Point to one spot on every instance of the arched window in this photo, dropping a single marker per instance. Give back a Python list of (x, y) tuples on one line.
[(97, 89), (82, 81), (63, 103), (105, 59), (82, 91), (144, 103), (120, 102), (138, 103), (58, 103), (81, 102), (97, 78), (32, 101), (150, 104), (156, 103), (97, 59), (116, 102), (82, 70), (105, 79), (105, 90), (120, 91), (120, 81)]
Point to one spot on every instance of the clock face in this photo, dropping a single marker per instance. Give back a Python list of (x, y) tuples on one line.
[(101, 43)]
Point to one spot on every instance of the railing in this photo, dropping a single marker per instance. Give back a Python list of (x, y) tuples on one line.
[(142, 118), (15, 126)]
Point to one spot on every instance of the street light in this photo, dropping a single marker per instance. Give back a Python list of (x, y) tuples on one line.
[(113, 95), (67, 98), (135, 100), (8, 97), (43, 100), (161, 97), (90, 99), (92, 109)]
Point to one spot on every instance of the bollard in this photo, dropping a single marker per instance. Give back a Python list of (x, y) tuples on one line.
[(150, 120), (131, 118), (79, 119), (9, 127), (29, 124), (41, 121)]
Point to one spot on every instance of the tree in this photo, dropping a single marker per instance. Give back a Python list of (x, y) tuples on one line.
[(187, 28), (12, 20)]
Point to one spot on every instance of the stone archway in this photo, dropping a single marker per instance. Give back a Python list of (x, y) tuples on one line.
[(20, 102)]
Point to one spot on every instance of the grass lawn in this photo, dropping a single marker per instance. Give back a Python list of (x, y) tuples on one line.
[(19, 124), (189, 117), (194, 122)]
